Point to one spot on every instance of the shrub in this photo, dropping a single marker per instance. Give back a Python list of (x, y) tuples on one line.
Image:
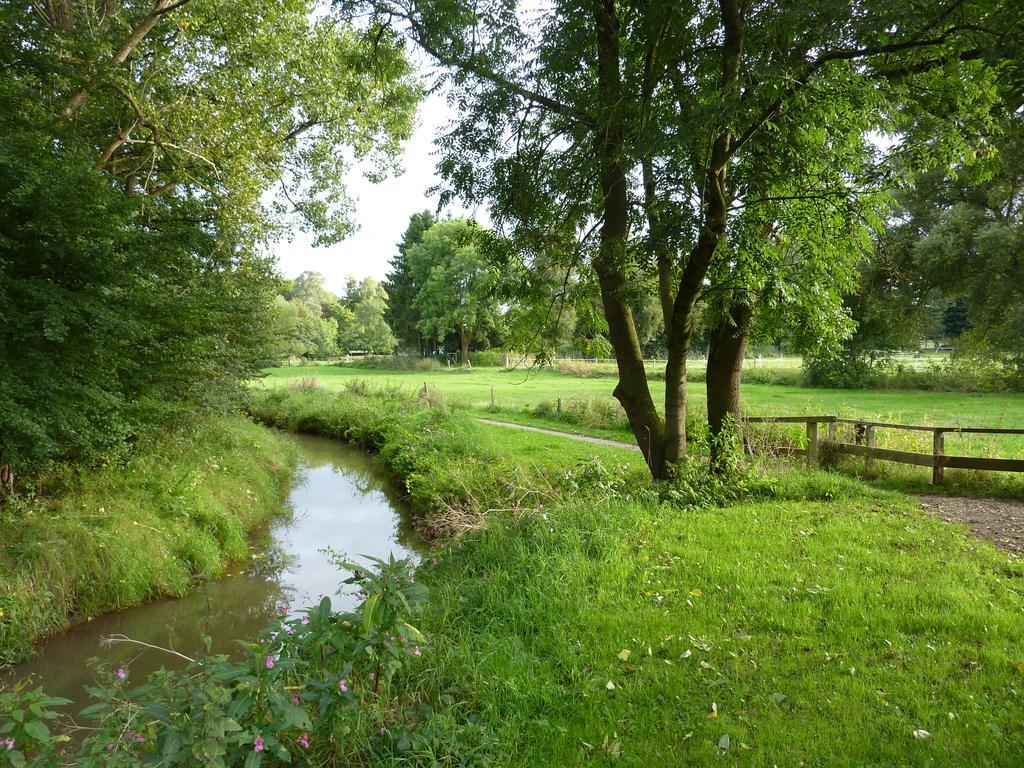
[(320, 689), (394, 363), (488, 358)]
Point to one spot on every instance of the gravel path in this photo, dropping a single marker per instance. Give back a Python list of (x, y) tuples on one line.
[(1001, 521), (556, 433)]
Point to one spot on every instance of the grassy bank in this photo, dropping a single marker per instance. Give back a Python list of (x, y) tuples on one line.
[(178, 511), (797, 618)]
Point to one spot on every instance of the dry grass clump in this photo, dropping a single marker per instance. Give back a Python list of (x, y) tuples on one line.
[(305, 384)]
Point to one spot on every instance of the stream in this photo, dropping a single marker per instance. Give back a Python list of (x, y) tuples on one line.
[(340, 500)]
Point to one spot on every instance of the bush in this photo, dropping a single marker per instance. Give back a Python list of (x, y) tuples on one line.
[(860, 370), (488, 358)]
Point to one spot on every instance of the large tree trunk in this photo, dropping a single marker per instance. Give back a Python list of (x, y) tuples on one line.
[(714, 197), (632, 391), (725, 367)]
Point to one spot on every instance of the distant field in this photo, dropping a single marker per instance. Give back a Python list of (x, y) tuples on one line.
[(519, 388)]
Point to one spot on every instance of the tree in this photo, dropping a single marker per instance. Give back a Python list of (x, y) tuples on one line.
[(955, 245), (366, 329), (639, 127), (401, 286), (457, 295), (287, 340), (138, 141)]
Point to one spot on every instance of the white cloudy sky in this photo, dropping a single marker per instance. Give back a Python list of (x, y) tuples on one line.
[(382, 211)]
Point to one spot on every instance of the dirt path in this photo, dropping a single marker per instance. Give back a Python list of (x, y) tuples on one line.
[(556, 433), (1001, 521)]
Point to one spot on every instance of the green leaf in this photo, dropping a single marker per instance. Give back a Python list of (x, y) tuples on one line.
[(158, 712), (369, 611), (777, 698), (411, 631), (253, 760), (724, 742), (37, 730)]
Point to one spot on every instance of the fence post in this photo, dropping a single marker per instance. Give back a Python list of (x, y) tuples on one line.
[(831, 431), (870, 439), (812, 444), (492, 397), (558, 407), (938, 449)]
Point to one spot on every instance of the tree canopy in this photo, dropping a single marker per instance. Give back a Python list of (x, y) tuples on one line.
[(139, 143), (684, 145), (456, 293)]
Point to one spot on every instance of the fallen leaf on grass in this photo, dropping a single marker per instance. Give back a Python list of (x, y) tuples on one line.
[(623, 655)]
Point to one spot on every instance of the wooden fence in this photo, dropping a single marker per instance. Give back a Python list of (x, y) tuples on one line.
[(864, 444)]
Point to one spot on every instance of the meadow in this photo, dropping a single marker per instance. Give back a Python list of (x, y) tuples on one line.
[(518, 388)]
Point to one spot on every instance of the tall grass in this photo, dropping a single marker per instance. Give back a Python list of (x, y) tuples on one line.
[(178, 511)]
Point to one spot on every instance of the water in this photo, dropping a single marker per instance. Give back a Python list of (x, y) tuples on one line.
[(341, 501)]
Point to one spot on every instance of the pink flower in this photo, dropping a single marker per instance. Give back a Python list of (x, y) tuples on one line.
[(304, 740), (342, 686), (257, 744), (416, 650), (121, 673), (270, 662), (305, 619), (295, 699), (360, 597), (9, 743)]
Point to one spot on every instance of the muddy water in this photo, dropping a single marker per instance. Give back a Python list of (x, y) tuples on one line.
[(341, 501)]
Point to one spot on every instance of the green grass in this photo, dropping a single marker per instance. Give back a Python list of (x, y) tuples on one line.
[(180, 510), (820, 625), (870, 619), (528, 397), (519, 388)]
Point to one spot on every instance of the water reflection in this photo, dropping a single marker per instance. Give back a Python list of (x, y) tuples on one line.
[(341, 501)]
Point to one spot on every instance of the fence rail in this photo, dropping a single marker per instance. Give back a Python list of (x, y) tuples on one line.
[(864, 444)]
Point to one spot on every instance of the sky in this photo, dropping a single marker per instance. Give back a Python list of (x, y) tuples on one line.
[(382, 211)]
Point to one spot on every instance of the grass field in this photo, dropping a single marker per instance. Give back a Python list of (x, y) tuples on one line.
[(513, 391), (518, 388), (818, 622)]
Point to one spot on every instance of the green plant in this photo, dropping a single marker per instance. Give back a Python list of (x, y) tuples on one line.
[(312, 690)]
